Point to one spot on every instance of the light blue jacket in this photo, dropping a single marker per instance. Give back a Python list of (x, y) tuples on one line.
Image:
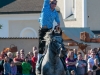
[(48, 16)]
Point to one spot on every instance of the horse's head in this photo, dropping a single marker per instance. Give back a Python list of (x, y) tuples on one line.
[(55, 42)]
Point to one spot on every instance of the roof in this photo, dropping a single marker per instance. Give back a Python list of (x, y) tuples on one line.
[(96, 32), (20, 6), (18, 38), (74, 33)]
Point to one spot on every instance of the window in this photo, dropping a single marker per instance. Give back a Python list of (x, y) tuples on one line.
[(69, 9)]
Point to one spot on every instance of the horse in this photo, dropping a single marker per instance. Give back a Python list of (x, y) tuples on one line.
[(51, 64)]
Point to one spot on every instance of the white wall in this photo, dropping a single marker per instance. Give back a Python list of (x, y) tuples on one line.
[(19, 16), (4, 32), (28, 32), (93, 13), (4, 21), (14, 20), (77, 20)]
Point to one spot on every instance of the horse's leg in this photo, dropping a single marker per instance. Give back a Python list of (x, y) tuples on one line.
[(37, 72), (45, 69)]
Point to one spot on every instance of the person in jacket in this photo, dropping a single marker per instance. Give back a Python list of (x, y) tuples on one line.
[(47, 17), (13, 68), (26, 67), (6, 65), (80, 65)]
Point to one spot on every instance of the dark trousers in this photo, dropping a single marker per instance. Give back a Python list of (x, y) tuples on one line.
[(19, 70), (34, 72), (42, 32)]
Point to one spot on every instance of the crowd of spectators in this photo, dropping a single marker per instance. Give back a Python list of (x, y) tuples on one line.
[(77, 64), (20, 63)]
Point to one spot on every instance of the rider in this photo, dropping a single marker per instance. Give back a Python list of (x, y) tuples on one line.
[(47, 17)]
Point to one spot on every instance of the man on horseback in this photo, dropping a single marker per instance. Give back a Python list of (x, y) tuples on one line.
[(47, 17)]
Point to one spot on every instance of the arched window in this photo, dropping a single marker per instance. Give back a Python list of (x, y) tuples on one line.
[(28, 32)]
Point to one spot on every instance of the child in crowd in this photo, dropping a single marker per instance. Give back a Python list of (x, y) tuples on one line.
[(13, 68), (6, 65), (26, 67)]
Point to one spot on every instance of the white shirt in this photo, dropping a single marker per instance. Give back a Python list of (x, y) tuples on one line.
[(90, 61)]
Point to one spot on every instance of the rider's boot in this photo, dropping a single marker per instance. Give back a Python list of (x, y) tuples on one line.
[(39, 63)]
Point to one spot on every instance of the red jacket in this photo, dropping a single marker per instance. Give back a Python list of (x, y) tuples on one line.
[(34, 60)]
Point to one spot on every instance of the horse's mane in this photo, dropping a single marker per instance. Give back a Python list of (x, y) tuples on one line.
[(51, 34), (48, 37)]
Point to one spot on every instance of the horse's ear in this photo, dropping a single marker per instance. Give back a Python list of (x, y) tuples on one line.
[(61, 32)]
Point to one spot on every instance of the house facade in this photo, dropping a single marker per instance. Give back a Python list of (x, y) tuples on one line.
[(19, 18), (81, 13), (93, 19), (19, 25)]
